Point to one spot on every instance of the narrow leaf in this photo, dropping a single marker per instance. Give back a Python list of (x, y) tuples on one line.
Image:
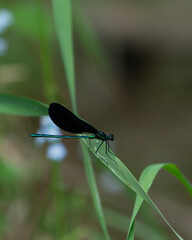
[(123, 173), (63, 24), (94, 190), (146, 179), (10, 104)]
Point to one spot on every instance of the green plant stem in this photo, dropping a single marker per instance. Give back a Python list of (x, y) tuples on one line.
[(59, 200), (50, 88)]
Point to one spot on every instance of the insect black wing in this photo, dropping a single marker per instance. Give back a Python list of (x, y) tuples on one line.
[(67, 121)]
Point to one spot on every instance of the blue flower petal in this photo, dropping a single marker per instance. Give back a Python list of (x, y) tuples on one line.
[(6, 19), (47, 127), (56, 152)]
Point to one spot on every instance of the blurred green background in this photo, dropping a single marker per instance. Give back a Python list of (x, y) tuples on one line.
[(133, 79)]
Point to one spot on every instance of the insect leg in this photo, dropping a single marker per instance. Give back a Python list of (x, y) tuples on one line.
[(97, 151), (107, 149), (99, 146)]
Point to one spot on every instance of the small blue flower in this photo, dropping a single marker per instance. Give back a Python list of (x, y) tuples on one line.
[(6, 19), (47, 127), (56, 150)]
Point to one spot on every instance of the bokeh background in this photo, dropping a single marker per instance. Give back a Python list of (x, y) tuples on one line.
[(137, 85)]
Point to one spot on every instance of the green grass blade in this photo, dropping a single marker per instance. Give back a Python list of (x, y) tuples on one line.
[(10, 104), (173, 169), (63, 24), (123, 173), (45, 51), (147, 177), (118, 221), (94, 191)]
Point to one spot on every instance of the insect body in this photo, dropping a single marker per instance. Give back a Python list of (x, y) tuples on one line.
[(67, 121)]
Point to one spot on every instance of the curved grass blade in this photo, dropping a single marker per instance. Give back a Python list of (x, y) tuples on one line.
[(118, 221), (10, 104), (146, 179), (123, 173), (174, 170)]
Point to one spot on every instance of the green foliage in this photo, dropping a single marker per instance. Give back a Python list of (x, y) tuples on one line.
[(146, 179), (21, 106), (28, 10), (141, 187), (63, 25), (8, 174)]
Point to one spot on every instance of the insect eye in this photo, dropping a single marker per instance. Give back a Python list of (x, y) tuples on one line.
[(111, 137)]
